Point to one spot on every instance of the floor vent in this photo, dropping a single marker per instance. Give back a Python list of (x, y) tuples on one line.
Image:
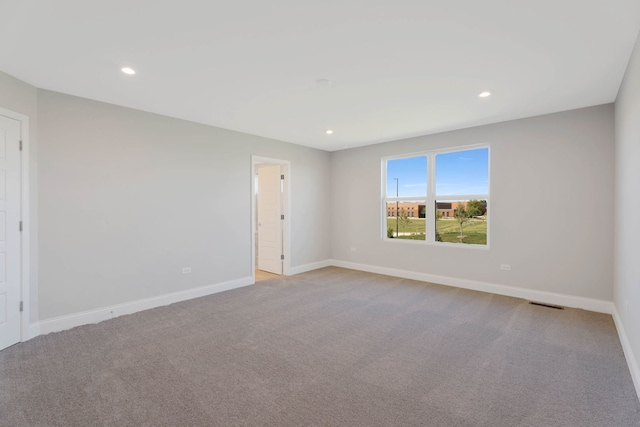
[(542, 304)]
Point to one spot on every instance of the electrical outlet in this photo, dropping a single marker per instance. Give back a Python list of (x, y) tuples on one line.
[(505, 267), (186, 270), (353, 249)]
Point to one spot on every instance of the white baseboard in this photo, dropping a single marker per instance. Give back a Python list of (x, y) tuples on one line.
[(33, 330), (590, 304), (98, 315), (628, 352), (309, 267)]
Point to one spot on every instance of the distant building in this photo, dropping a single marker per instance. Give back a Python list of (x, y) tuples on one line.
[(446, 209), (418, 210)]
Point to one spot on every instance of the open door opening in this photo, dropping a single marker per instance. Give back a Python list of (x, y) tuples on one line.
[(270, 218)]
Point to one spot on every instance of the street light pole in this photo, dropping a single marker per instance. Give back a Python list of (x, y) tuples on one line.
[(397, 206)]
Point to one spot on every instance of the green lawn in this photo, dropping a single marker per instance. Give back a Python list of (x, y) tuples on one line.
[(475, 231)]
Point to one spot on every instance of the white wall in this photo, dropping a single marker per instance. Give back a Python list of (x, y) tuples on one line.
[(627, 197), (20, 97), (551, 206), (127, 198)]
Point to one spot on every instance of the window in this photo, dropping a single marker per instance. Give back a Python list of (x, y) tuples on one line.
[(406, 188), (449, 190)]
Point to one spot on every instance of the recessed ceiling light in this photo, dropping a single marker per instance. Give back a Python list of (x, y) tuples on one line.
[(329, 132), (128, 70), (323, 82), (484, 94)]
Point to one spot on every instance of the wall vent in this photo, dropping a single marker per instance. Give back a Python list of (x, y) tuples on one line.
[(542, 304)]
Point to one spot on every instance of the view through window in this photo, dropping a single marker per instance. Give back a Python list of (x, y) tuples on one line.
[(438, 196)]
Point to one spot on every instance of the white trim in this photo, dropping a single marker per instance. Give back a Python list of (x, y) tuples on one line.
[(628, 352), (33, 331), (443, 150), (25, 327), (98, 315), (286, 243), (600, 306), (312, 266)]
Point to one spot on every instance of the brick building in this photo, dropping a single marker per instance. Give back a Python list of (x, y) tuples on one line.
[(417, 209)]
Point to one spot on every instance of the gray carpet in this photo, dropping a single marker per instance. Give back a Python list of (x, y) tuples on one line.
[(332, 347)]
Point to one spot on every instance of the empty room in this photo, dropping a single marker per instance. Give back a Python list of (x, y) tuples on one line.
[(319, 213)]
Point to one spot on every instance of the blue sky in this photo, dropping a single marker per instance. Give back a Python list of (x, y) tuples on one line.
[(461, 172)]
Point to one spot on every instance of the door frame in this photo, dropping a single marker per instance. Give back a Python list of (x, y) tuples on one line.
[(286, 227), (25, 253)]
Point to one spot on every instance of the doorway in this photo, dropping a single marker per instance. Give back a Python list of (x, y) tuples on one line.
[(270, 217)]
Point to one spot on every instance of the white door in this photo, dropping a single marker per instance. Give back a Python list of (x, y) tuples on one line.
[(269, 219), (10, 241)]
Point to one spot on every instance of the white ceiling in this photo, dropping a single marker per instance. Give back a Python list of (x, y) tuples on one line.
[(398, 68)]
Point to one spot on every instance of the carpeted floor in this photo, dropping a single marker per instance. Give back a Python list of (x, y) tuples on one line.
[(331, 347)]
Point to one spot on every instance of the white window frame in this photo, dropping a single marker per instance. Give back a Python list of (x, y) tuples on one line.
[(431, 198)]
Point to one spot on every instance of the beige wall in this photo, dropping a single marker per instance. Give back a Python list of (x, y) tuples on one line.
[(538, 165), (126, 198), (627, 207)]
